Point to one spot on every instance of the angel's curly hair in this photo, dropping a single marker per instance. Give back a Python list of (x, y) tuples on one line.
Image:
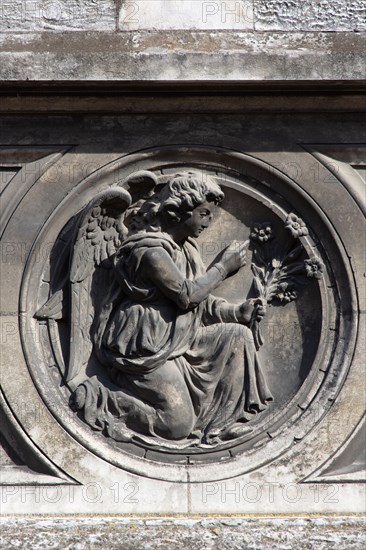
[(182, 193)]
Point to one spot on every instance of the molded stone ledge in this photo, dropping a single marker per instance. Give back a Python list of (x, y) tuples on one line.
[(123, 100), (182, 56)]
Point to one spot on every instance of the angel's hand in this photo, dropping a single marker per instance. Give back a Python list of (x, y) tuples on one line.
[(250, 311), (233, 257)]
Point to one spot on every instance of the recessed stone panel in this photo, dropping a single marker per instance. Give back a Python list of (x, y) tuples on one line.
[(293, 195)]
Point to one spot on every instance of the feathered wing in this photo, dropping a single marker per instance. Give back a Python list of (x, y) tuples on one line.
[(98, 238), (93, 285), (87, 294)]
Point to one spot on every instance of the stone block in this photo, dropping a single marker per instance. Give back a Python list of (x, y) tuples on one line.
[(184, 533), (57, 15), (310, 15), (186, 14)]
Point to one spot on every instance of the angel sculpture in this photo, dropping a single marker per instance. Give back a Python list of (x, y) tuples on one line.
[(154, 356)]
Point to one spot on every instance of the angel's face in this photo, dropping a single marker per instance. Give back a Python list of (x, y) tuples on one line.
[(198, 220)]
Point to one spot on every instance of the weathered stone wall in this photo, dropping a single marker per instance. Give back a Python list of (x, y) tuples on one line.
[(123, 15), (86, 84), (182, 39)]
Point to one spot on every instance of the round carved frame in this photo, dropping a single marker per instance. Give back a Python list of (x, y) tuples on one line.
[(339, 322)]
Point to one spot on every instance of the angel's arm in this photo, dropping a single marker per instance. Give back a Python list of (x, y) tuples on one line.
[(187, 294), (218, 310)]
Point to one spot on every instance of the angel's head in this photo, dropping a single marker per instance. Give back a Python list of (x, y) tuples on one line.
[(185, 205)]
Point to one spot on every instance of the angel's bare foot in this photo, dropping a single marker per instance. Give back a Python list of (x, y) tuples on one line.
[(237, 430), (119, 432), (79, 397)]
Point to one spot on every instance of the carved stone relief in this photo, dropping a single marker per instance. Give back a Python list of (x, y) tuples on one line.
[(184, 311), (153, 356), (189, 307)]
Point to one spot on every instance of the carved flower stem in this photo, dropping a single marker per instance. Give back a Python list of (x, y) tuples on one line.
[(257, 334), (278, 274)]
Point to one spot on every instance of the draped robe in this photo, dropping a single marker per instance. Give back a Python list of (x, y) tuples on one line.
[(182, 373)]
